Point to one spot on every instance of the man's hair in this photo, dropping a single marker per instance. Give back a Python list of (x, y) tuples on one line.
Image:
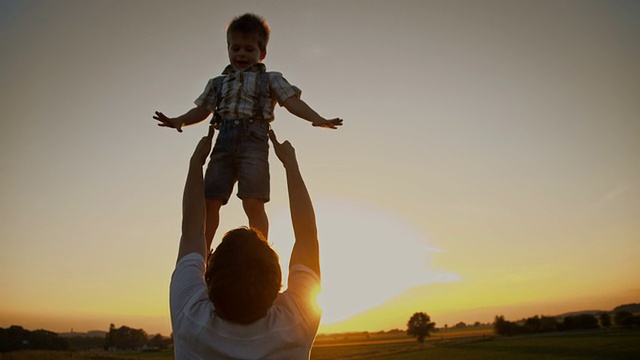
[(251, 24), (243, 276)]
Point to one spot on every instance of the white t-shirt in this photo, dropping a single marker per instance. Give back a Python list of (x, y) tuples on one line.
[(286, 332)]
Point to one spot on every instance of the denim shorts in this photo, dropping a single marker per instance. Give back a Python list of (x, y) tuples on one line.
[(240, 154)]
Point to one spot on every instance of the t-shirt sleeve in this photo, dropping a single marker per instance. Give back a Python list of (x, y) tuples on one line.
[(209, 96), (187, 283), (281, 88), (303, 288)]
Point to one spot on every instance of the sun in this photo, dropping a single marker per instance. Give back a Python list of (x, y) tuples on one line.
[(368, 256)]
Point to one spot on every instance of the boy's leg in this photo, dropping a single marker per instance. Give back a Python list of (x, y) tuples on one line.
[(212, 220), (218, 180), (254, 208), (253, 174)]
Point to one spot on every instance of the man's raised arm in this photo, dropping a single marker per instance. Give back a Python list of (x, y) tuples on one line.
[(193, 203), (305, 250)]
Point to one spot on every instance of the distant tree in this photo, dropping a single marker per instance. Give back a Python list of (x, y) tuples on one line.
[(506, 328), (125, 338), (109, 341), (626, 319), (580, 322), (548, 324), (605, 320), (157, 341), (12, 338), (420, 326), (17, 338), (623, 318), (499, 325), (461, 324), (632, 308), (47, 340), (533, 324)]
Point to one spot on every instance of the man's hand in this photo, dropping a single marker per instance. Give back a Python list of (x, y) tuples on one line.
[(202, 149), (165, 121), (328, 124), (284, 151)]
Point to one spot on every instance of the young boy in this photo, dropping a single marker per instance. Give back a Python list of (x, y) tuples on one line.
[(243, 99)]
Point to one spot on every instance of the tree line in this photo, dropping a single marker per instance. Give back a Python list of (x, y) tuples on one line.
[(421, 327), (126, 338), (543, 324), (15, 338)]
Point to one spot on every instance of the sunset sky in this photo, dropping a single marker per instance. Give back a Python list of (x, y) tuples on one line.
[(488, 163)]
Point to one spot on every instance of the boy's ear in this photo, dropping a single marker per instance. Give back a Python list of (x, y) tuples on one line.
[(263, 54)]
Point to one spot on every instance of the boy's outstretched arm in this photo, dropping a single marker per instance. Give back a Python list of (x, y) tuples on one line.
[(193, 116), (193, 203), (305, 249), (299, 108)]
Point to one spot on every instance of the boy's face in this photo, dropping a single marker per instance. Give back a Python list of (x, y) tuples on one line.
[(244, 50)]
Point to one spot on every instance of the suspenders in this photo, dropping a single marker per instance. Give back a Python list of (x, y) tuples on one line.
[(258, 109), (216, 119)]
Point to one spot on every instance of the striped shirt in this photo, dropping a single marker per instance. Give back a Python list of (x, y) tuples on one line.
[(240, 90)]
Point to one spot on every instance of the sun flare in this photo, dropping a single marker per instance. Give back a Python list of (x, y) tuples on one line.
[(368, 256)]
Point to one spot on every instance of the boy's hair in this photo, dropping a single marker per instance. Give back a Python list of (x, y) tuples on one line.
[(251, 24), (243, 276)]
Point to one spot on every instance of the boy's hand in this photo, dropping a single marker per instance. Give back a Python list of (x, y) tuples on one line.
[(202, 149), (284, 151), (328, 124), (168, 122)]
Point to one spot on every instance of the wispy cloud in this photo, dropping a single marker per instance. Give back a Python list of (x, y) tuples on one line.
[(611, 195)]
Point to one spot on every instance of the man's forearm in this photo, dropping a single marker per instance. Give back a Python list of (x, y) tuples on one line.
[(193, 204), (302, 213), (303, 219), (193, 213)]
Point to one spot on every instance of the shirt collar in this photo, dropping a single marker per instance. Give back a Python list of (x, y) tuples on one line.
[(257, 67)]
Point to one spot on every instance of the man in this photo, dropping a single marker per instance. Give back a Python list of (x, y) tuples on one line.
[(233, 309)]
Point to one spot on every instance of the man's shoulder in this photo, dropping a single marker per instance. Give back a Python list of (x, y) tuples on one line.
[(303, 283), (298, 303), (187, 286), (192, 258)]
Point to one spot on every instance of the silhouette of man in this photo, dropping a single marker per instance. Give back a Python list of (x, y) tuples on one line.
[(232, 308)]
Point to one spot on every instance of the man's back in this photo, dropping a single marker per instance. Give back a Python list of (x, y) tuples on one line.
[(286, 332)]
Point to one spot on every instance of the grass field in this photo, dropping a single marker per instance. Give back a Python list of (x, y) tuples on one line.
[(585, 346), (452, 345)]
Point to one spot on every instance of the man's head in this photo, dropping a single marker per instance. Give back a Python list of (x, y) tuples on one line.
[(243, 276), (247, 38)]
